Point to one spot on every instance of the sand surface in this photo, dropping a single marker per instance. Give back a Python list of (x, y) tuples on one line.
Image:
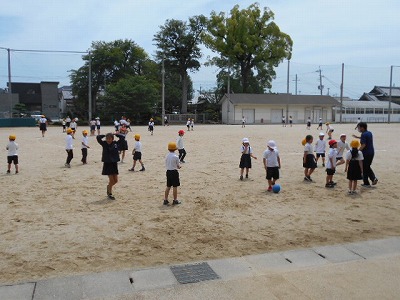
[(57, 221)]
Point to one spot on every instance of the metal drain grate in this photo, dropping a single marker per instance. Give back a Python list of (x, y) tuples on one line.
[(194, 273)]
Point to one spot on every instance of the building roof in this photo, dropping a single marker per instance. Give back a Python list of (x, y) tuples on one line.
[(280, 99), (369, 104), (384, 91)]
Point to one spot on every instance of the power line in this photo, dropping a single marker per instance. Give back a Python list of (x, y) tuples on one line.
[(45, 51)]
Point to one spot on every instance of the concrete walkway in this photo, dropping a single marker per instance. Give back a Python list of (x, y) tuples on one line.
[(362, 270)]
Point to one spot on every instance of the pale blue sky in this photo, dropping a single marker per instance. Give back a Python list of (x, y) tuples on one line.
[(361, 34)]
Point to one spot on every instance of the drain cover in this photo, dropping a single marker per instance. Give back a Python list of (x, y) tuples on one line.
[(194, 273)]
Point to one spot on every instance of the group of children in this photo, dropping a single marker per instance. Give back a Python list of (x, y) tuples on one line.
[(353, 159)]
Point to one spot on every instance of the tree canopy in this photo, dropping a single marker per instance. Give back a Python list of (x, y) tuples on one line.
[(178, 43), (250, 42)]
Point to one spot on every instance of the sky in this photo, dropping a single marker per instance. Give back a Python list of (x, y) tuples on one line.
[(361, 34)]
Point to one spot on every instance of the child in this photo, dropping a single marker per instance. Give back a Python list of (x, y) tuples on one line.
[(291, 121), (331, 164), (181, 148), (358, 122), (69, 146), (137, 153), (272, 164), (122, 142), (192, 123), (110, 159), (309, 162), (329, 130), (84, 146), (283, 121), (43, 124), (354, 166), (245, 159), (172, 165), (243, 122), (98, 125), (308, 123), (151, 126), (12, 156), (74, 127), (64, 125), (319, 124), (188, 124), (341, 146), (116, 125), (320, 147), (92, 127)]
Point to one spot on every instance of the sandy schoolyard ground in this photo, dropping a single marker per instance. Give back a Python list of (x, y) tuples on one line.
[(57, 221)]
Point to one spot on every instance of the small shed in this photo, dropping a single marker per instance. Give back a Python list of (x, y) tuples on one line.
[(270, 108)]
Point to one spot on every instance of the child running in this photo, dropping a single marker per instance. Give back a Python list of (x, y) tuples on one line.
[(181, 148), (309, 162), (172, 165), (320, 148), (188, 124), (331, 164), (137, 154), (354, 166), (84, 146), (272, 163), (329, 130), (245, 159), (319, 124), (110, 159), (12, 155), (341, 146), (69, 146)]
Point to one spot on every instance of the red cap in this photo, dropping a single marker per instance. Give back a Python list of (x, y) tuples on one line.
[(331, 142), (181, 132)]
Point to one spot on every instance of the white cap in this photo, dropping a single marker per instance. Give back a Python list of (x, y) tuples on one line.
[(245, 140), (271, 144), (321, 134), (343, 134)]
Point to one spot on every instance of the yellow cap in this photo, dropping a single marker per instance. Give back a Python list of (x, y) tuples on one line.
[(137, 136), (12, 137), (85, 132), (355, 144), (69, 130), (172, 146), (304, 142)]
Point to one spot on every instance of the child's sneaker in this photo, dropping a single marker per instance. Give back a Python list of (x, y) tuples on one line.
[(16, 172), (323, 164), (332, 183), (142, 169), (269, 189), (131, 169), (247, 175), (111, 197), (350, 192), (375, 181), (166, 202), (8, 171), (175, 202), (328, 185), (241, 177)]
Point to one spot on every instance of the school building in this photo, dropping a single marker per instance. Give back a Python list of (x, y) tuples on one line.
[(270, 108)]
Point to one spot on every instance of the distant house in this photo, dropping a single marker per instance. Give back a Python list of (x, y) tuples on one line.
[(269, 108), (381, 93), (66, 100)]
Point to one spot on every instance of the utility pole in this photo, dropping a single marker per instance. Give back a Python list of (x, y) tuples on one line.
[(9, 81), (320, 87), (287, 91), (162, 92), (296, 80), (90, 86), (390, 93), (341, 93)]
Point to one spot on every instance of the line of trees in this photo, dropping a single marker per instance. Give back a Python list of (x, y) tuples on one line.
[(247, 44)]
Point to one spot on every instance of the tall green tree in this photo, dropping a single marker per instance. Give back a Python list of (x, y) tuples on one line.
[(250, 42), (110, 62), (178, 44)]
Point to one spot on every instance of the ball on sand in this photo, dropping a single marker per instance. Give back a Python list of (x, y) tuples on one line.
[(276, 188)]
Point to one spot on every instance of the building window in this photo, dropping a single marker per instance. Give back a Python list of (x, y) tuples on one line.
[(378, 111), (360, 111), (369, 111)]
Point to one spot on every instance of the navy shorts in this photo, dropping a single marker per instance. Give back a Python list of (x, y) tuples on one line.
[(320, 154), (330, 171), (12, 159), (137, 155), (272, 172), (173, 178)]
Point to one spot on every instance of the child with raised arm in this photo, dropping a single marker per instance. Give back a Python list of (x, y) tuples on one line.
[(354, 166), (110, 159), (12, 155), (272, 163), (172, 165), (245, 159)]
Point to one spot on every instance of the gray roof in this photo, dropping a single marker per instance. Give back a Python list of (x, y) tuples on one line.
[(281, 99), (385, 90), (369, 104)]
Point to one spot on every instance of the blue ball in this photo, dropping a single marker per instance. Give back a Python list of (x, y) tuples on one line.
[(276, 188)]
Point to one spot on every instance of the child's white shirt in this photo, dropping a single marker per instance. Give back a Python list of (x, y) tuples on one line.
[(341, 147), (320, 146), (187, 123), (138, 146), (73, 125), (172, 161), (69, 144), (85, 141), (308, 148), (179, 142), (12, 148), (249, 150), (360, 156), (331, 154), (271, 157)]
